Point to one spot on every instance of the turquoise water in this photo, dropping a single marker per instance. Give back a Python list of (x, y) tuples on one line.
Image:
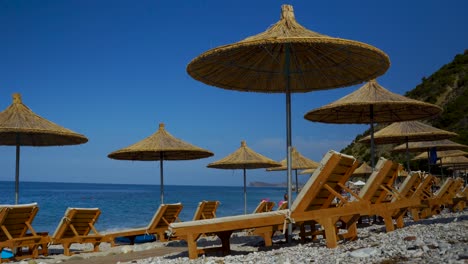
[(128, 206)]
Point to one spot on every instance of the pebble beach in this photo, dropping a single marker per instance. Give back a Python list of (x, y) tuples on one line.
[(440, 239)]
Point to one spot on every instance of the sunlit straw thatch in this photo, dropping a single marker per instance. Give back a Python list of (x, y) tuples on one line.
[(318, 62), (298, 162), (355, 108), (363, 170), (244, 158), (442, 154), (33, 130), (160, 146), (408, 131), (427, 145)]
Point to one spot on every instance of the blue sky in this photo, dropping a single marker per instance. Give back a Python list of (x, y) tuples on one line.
[(114, 70)]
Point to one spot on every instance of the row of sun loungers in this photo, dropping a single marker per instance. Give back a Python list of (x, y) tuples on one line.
[(315, 211)]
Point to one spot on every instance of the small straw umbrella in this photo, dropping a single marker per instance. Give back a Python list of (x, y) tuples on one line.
[(427, 145), (244, 158), (298, 162), (371, 104), (160, 146), (363, 170), (288, 58), (20, 126), (408, 131), (453, 161), (442, 154)]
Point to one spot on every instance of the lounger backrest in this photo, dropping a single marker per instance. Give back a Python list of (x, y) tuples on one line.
[(444, 189), (411, 184), (455, 188), (264, 206), (166, 214), (15, 220), (334, 171), (424, 190), (380, 182), (77, 222), (206, 210)]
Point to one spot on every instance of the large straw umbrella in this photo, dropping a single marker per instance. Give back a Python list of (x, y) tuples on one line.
[(406, 132), (160, 146), (20, 126), (371, 104), (288, 58), (244, 158), (298, 162)]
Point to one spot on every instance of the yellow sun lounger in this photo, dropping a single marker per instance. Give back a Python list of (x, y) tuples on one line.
[(166, 214), (77, 226), (460, 200), (313, 203), (264, 206), (16, 231), (206, 210), (386, 201)]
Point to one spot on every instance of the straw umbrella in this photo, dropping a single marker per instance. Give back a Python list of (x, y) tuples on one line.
[(298, 162), (288, 58), (244, 158), (371, 104), (442, 154), (427, 145), (406, 132), (160, 146), (362, 170), (20, 126)]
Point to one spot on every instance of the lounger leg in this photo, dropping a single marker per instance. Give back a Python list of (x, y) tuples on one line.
[(388, 222), (226, 245), (400, 223), (352, 232), (66, 249), (330, 232), (96, 246), (192, 246), (161, 236), (302, 233)]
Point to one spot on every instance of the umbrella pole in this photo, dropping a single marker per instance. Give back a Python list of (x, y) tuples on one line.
[(288, 132), (372, 144), (245, 193), (17, 168), (428, 161), (407, 155), (297, 184), (161, 171)]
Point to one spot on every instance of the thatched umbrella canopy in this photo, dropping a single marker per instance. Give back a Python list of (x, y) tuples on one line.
[(363, 170), (244, 158), (298, 162), (453, 161), (20, 126), (307, 171), (442, 154), (371, 104), (289, 58), (444, 144), (408, 131), (160, 146)]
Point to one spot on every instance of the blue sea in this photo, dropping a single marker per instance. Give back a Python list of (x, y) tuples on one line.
[(128, 205)]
